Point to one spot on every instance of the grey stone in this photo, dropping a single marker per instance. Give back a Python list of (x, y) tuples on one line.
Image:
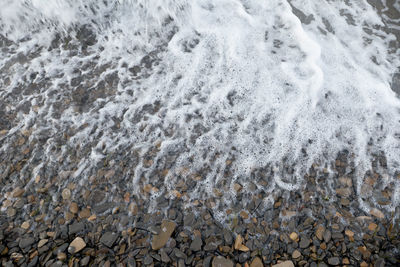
[(61, 248), (164, 256), (228, 237), (33, 262), (85, 261), (108, 239), (244, 257), (334, 261), (147, 260), (179, 254), (26, 242), (220, 261), (189, 219), (103, 207), (76, 228), (196, 244), (379, 263), (327, 236), (57, 264), (304, 242)]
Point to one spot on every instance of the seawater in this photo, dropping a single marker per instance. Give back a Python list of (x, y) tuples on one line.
[(204, 88)]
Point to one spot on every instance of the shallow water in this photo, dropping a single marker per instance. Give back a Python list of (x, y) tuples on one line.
[(220, 92)]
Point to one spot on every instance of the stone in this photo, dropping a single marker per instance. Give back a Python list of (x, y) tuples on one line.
[(284, 264), (42, 242), (167, 228), (25, 225), (220, 261), (319, 233), (164, 256), (61, 256), (26, 242), (293, 236), (76, 228), (237, 187), (379, 263), (84, 213), (196, 244), (76, 245), (85, 261), (108, 239), (372, 226), (18, 192), (147, 260), (334, 261), (66, 194), (377, 213), (304, 242), (343, 192), (73, 208), (256, 262), (350, 234), (327, 236), (296, 254), (228, 237), (244, 215), (239, 244)]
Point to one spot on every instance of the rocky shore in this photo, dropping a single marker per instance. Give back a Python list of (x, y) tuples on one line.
[(85, 228)]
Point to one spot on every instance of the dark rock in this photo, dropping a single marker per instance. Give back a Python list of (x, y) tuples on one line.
[(228, 237), (103, 207), (108, 239), (85, 261), (26, 242), (244, 257), (33, 262), (147, 260), (379, 263), (76, 228)]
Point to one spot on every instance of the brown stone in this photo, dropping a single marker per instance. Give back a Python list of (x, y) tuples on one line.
[(256, 262), (296, 254), (284, 264), (372, 226), (42, 242), (244, 215), (343, 192), (66, 194), (76, 245), (25, 225), (239, 244), (73, 208), (167, 228), (319, 233), (237, 187), (84, 213), (377, 213), (18, 192)]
